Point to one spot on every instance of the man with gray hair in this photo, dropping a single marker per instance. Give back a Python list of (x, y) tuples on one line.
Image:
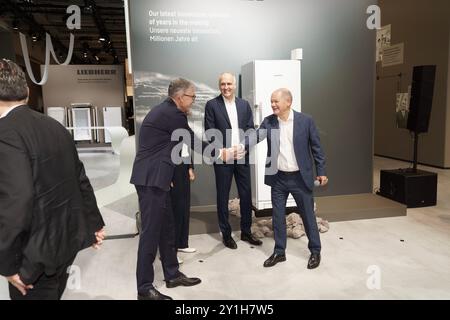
[(152, 176)]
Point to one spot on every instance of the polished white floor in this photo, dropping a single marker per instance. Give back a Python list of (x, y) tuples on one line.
[(390, 258)]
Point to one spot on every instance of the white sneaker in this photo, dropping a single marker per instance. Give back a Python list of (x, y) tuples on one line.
[(180, 261), (187, 250)]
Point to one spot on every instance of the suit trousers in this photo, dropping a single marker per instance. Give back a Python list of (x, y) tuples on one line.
[(224, 175), (47, 287), (181, 204), (157, 232), (293, 183)]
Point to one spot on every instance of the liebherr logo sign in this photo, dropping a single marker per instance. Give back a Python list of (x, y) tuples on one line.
[(72, 22), (93, 72)]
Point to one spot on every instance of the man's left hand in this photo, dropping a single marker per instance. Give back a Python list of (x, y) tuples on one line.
[(99, 237), (18, 283), (191, 174)]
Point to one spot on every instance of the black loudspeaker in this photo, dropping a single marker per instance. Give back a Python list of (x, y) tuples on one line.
[(421, 98), (415, 189)]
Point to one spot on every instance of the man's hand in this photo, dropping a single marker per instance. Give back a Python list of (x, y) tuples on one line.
[(99, 237), (191, 174), (239, 151), (323, 180), (225, 155), (17, 282), (233, 153)]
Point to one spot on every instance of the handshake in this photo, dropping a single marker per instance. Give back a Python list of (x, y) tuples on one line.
[(234, 153)]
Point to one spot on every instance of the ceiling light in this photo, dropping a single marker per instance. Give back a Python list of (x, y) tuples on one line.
[(15, 25), (87, 6)]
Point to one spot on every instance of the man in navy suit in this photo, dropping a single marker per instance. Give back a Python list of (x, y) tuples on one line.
[(153, 172), (291, 139), (231, 117)]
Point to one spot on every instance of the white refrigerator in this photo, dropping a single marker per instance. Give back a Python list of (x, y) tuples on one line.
[(259, 79), (112, 117)]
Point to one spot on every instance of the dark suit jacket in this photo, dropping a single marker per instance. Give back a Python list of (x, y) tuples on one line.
[(153, 166), (48, 211), (306, 143), (216, 117)]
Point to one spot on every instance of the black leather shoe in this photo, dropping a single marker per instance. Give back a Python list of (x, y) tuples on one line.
[(229, 243), (274, 259), (153, 294), (250, 239), (182, 280), (314, 260)]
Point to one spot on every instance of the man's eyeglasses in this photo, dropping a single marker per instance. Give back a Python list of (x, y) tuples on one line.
[(193, 96)]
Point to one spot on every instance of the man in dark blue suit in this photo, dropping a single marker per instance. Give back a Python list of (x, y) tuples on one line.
[(231, 117), (291, 139), (153, 172)]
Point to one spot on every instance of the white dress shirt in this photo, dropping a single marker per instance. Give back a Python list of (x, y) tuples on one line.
[(286, 158), (232, 115), (9, 110)]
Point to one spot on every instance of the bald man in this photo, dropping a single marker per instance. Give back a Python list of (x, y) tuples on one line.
[(231, 116)]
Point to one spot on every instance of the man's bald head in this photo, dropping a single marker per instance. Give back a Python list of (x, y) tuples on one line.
[(227, 85)]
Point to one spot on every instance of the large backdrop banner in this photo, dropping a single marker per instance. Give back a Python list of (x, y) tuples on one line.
[(199, 39)]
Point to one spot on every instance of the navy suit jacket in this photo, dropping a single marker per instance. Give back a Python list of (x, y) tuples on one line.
[(306, 143), (153, 166), (216, 117)]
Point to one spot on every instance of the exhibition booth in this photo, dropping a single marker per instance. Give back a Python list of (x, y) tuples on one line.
[(382, 112)]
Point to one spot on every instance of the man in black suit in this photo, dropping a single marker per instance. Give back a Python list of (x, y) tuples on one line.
[(153, 172), (48, 210), (181, 201), (231, 117)]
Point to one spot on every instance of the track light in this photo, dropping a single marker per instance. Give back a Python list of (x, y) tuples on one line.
[(88, 7), (104, 38), (15, 25)]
